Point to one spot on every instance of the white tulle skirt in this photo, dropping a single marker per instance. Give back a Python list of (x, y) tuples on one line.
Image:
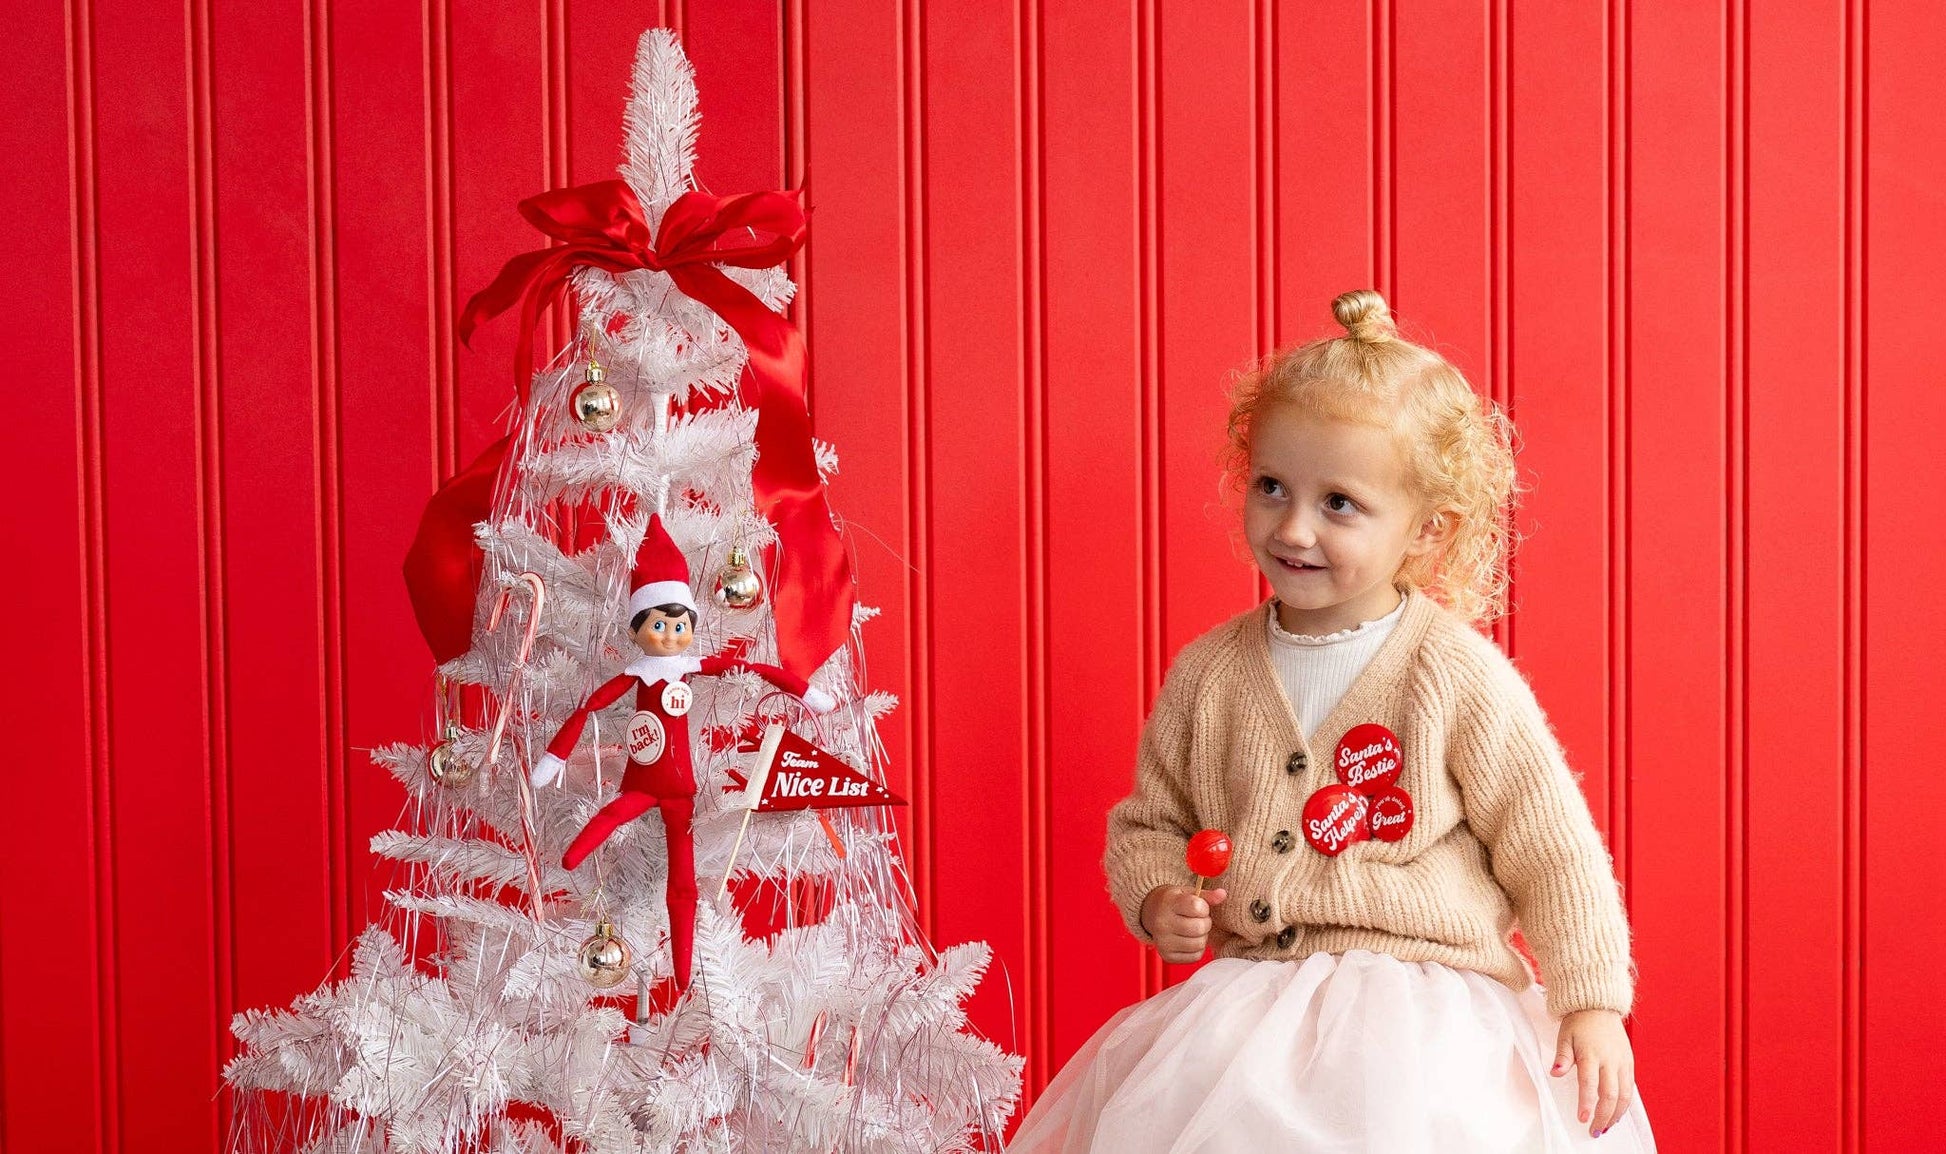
[(1353, 1053)]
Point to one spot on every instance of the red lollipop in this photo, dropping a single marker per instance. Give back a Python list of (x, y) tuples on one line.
[(1208, 856)]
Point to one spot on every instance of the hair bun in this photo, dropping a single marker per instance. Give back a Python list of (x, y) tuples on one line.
[(1365, 316)]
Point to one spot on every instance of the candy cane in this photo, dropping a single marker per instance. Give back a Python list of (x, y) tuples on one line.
[(528, 850), (533, 582)]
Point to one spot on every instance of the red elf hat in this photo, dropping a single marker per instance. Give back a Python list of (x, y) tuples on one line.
[(661, 575)]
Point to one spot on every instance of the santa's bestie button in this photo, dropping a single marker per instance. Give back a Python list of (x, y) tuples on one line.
[(1369, 758), (1335, 817)]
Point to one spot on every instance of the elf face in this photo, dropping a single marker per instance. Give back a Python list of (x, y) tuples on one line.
[(1329, 518), (664, 636)]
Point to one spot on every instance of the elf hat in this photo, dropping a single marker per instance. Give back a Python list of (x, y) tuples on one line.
[(661, 575)]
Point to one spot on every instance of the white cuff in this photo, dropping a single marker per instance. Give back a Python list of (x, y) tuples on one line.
[(547, 771), (818, 701)]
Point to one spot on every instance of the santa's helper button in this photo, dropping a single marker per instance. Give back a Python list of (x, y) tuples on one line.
[(1334, 817), (1369, 758)]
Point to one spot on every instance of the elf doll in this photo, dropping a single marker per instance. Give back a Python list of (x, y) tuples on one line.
[(662, 619)]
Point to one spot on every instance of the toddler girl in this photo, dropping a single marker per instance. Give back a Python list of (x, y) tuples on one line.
[(1397, 803)]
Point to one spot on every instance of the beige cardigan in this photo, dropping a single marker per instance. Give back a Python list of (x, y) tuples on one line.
[(1500, 830)]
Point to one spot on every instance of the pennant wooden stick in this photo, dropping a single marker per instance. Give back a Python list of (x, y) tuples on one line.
[(753, 794)]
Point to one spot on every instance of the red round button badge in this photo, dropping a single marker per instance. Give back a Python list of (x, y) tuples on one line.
[(646, 738), (1369, 758), (1391, 814), (1335, 817)]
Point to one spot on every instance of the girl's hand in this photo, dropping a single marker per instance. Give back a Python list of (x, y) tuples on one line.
[(1179, 921), (1595, 1043)]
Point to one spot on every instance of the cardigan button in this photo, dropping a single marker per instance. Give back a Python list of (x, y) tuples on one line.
[(1283, 842), (1297, 764), (1260, 910), (1286, 936)]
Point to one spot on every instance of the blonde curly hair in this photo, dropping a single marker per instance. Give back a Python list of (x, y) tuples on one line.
[(1457, 446)]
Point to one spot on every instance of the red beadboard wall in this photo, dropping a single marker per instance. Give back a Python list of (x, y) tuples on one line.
[(1044, 235)]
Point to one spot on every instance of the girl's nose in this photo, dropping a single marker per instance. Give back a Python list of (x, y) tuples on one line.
[(1295, 531)]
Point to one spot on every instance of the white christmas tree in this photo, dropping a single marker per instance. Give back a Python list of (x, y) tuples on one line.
[(471, 1019)]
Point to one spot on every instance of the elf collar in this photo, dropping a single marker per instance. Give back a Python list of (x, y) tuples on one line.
[(652, 669)]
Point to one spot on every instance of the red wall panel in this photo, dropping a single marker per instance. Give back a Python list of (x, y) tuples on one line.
[(1889, 630), (1045, 236), (58, 1054)]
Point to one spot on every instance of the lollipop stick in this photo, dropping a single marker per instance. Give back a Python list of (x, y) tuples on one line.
[(1200, 879)]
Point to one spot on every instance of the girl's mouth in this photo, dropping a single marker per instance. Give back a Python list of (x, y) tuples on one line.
[(1298, 566)]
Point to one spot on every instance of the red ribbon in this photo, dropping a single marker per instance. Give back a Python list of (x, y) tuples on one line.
[(444, 565), (602, 226)]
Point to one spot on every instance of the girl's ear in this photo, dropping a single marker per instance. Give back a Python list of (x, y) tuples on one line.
[(1433, 533)]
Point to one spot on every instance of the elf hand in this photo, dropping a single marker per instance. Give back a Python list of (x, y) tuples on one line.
[(1179, 921), (1593, 1042), (818, 701), (546, 771)]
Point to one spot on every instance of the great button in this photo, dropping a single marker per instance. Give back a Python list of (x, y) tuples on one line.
[(1286, 936), (1260, 910), (1297, 764), (1283, 842)]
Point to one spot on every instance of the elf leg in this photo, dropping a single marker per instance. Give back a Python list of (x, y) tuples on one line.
[(613, 816), (676, 812)]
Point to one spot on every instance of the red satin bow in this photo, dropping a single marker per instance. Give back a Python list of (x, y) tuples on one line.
[(602, 226)]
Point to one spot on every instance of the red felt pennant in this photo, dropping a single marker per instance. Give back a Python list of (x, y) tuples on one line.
[(803, 777)]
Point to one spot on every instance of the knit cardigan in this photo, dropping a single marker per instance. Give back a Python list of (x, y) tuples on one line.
[(1501, 833)]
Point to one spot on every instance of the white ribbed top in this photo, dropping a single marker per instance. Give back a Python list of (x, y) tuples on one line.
[(1316, 671)]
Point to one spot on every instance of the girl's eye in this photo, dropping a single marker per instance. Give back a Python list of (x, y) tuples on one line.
[(1269, 486), (1351, 506)]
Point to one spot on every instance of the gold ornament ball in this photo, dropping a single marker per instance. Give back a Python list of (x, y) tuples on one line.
[(604, 958), (737, 585), (445, 766), (595, 402)]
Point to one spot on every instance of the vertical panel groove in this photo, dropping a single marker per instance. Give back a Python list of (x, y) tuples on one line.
[(206, 370), (1147, 64), (796, 142), (555, 93), (1031, 101), (1384, 265), (1857, 205), (441, 257), (1500, 261), (329, 453), (1621, 766), (1263, 160), (919, 460), (86, 249), (556, 164), (1736, 351)]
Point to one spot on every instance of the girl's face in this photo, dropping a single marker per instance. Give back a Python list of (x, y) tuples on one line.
[(1329, 518)]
